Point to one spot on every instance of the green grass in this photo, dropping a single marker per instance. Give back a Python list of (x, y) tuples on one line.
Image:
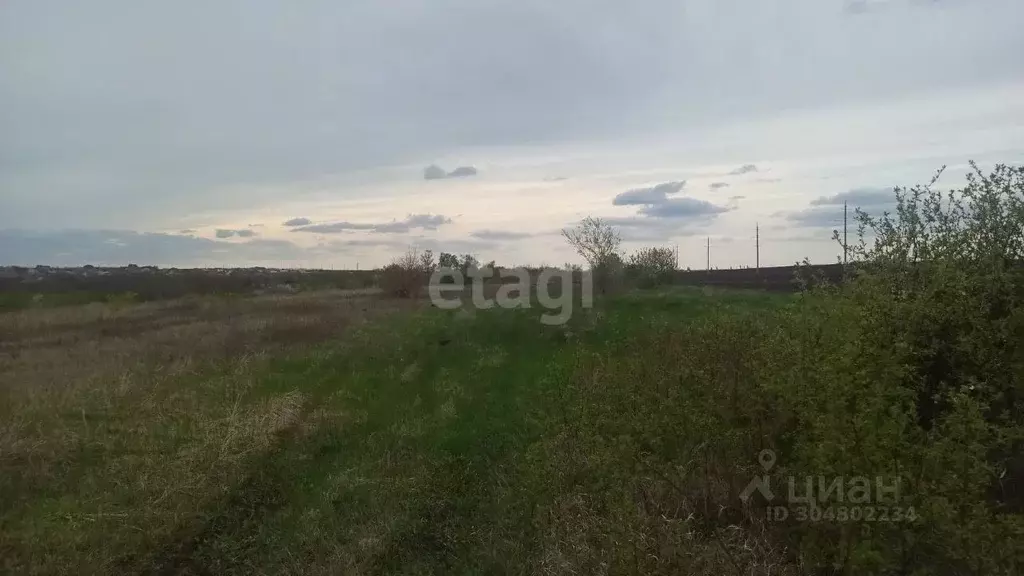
[(430, 467), (410, 450), (459, 442)]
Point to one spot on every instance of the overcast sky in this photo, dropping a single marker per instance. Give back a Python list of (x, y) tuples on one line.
[(190, 132)]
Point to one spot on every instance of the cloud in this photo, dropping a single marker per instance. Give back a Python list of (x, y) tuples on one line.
[(334, 227), (225, 233), (718, 185), (858, 197), (639, 229), (455, 79), (121, 247), (413, 221), (187, 232), (736, 198), (649, 195), (745, 169), (498, 235), (423, 221), (462, 172), (656, 204), (827, 211), (435, 172), (682, 208), (297, 222)]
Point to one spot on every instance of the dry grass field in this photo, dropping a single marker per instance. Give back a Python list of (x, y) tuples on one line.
[(119, 421)]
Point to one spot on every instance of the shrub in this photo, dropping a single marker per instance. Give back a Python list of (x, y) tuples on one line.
[(913, 370), (406, 275), (649, 267), (608, 274)]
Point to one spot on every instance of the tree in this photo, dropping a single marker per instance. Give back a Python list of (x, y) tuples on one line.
[(593, 239), (448, 260)]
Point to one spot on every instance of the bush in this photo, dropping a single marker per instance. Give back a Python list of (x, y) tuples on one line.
[(608, 275), (650, 267), (913, 370), (406, 275)]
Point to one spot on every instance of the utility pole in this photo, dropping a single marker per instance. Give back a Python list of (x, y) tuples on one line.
[(709, 253), (845, 249), (757, 245), (677, 256)]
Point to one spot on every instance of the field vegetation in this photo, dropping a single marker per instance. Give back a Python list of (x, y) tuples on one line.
[(342, 432)]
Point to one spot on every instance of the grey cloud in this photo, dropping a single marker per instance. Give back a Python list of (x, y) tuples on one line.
[(424, 221), (655, 203), (376, 242), (304, 91), (225, 233), (499, 235), (435, 172), (462, 172), (736, 198), (413, 221), (649, 195), (827, 211), (858, 197), (334, 227), (120, 247), (400, 246), (745, 169), (718, 185), (297, 222), (187, 232), (635, 229), (683, 208)]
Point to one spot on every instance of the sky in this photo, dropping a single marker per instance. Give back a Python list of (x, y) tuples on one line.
[(300, 134)]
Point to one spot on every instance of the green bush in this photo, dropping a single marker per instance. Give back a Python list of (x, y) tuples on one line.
[(911, 372), (650, 267)]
